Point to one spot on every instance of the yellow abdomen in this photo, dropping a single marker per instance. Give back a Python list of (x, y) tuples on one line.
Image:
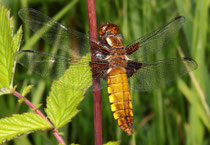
[(120, 99)]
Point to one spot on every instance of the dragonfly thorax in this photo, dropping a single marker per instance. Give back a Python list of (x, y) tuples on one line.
[(117, 61)]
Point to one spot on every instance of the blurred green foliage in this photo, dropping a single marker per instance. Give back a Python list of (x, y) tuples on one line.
[(172, 115)]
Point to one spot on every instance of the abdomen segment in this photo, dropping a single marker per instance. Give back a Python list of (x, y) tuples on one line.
[(120, 99)]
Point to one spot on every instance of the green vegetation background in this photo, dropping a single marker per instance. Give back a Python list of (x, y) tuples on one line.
[(173, 115)]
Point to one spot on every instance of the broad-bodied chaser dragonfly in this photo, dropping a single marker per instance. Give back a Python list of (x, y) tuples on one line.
[(116, 63)]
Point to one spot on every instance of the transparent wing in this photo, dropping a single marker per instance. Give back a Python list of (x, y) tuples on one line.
[(154, 41), (152, 75), (71, 41), (44, 63)]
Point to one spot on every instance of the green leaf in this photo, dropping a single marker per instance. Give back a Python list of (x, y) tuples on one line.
[(113, 143), (61, 133), (62, 102), (26, 90), (16, 125), (38, 106), (9, 44), (20, 101)]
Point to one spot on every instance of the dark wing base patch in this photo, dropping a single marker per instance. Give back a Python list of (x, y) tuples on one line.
[(99, 68), (132, 67)]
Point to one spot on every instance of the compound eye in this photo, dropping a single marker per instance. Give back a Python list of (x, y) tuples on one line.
[(101, 32), (115, 30)]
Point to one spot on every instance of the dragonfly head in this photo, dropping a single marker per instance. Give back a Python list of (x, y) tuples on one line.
[(108, 29)]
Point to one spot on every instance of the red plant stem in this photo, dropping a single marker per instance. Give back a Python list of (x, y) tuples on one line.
[(96, 81), (55, 132)]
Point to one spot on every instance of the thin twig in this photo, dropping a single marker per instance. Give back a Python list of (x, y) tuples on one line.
[(146, 119), (96, 81), (37, 111), (198, 88)]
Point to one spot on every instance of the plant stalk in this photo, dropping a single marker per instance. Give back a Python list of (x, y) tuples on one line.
[(37, 111), (96, 81)]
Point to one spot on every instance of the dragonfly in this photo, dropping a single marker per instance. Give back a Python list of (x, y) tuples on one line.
[(116, 63)]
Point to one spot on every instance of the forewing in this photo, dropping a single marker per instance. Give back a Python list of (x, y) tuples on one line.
[(154, 41), (71, 41), (152, 75)]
